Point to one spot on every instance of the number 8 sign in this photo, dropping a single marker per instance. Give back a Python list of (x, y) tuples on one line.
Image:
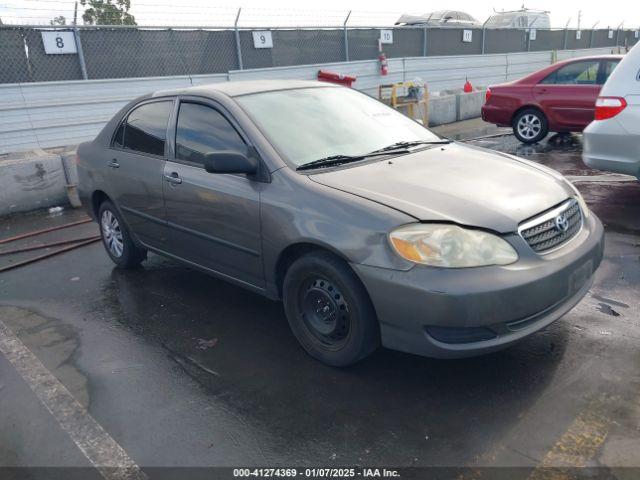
[(58, 42), (262, 39)]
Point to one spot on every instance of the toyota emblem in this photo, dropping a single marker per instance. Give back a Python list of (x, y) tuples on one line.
[(562, 223)]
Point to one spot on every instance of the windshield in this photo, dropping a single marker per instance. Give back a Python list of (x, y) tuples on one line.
[(313, 123)]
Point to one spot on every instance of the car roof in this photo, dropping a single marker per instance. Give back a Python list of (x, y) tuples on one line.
[(236, 88)]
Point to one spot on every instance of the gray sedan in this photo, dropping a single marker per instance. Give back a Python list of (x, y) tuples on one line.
[(370, 228)]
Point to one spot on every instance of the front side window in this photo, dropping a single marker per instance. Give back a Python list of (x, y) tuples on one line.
[(312, 123), (145, 129), (578, 73), (201, 130)]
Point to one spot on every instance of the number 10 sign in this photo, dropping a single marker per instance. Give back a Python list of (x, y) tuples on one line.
[(59, 43)]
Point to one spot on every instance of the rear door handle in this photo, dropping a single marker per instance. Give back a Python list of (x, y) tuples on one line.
[(113, 163), (173, 178)]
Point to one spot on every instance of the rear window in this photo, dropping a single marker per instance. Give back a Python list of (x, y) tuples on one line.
[(145, 129)]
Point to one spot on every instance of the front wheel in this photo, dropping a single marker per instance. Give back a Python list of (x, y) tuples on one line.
[(116, 238), (329, 310), (530, 126)]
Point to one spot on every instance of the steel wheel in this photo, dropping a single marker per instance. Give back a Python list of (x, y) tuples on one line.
[(529, 126), (329, 310), (112, 233), (325, 312)]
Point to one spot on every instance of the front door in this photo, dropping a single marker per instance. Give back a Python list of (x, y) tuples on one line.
[(137, 160), (214, 219), (568, 96)]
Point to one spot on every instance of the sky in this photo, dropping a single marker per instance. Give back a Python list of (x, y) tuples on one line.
[(332, 12)]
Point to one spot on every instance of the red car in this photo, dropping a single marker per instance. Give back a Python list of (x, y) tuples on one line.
[(559, 98)]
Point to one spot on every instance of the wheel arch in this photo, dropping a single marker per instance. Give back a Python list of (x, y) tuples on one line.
[(98, 197), (294, 251), (529, 106)]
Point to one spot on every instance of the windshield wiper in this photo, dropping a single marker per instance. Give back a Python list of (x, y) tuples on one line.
[(412, 143), (340, 159), (329, 161), (398, 147)]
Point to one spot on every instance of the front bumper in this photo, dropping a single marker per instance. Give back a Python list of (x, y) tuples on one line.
[(509, 302)]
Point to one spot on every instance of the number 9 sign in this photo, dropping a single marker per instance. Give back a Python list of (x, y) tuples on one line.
[(262, 39)]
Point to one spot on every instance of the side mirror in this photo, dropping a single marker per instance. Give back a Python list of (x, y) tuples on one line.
[(227, 161)]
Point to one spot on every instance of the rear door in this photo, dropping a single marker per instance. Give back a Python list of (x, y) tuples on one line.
[(214, 218), (136, 160), (568, 95)]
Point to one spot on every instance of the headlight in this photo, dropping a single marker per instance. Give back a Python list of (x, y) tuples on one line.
[(442, 245)]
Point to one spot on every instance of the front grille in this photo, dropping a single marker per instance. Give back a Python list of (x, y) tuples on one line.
[(545, 231)]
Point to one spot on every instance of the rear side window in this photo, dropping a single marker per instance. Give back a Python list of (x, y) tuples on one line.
[(118, 138), (577, 73), (201, 130), (145, 129), (608, 67)]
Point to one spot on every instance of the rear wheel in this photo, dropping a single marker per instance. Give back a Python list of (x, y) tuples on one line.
[(329, 310), (116, 238), (530, 126)]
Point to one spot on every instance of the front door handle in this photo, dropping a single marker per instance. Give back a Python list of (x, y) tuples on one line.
[(173, 178), (113, 163)]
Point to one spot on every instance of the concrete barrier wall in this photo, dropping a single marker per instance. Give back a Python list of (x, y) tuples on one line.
[(32, 183)]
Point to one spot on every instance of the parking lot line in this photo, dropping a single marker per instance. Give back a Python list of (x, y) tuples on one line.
[(577, 445), (102, 451)]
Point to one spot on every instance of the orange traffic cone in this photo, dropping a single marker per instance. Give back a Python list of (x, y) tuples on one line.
[(468, 88)]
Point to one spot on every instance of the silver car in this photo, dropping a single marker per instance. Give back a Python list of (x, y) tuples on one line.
[(370, 228), (612, 140)]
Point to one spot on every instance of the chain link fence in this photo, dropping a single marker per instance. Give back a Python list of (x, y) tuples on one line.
[(104, 52)]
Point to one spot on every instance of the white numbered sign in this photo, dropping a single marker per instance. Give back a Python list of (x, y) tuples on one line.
[(262, 39), (578, 34), (532, 34), (467, 35), (610, 33), (59, 43), (386, 36)]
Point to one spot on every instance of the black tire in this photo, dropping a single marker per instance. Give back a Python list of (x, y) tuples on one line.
[(116, 238), (530, 125), (329, 310)]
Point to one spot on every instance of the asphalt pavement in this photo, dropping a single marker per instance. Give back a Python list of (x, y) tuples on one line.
[(166, 367)]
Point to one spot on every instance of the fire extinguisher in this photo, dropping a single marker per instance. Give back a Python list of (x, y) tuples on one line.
[(384, 64)]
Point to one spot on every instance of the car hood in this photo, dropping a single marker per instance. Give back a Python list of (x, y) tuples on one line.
[(459, 183)]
